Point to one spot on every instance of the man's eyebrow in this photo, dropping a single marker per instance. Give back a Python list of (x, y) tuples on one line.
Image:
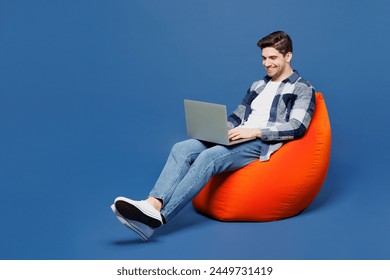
[(271, 56)]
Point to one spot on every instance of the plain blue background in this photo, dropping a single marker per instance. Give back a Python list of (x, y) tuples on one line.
[(91, 100)]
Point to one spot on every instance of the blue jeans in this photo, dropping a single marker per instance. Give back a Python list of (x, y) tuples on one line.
[(190, 166)]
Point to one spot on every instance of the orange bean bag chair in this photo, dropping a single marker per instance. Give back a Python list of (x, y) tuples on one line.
[(276, 189)]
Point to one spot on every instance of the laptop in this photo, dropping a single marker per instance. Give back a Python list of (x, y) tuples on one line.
[(208, 122)]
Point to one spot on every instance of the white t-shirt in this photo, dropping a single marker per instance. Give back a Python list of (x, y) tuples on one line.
[(261, 106)]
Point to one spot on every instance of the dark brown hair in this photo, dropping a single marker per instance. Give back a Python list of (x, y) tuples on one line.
[(278, 40)]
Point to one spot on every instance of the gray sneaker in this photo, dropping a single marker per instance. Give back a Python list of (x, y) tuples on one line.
[(143, 231)]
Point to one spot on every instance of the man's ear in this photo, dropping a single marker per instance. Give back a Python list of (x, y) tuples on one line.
[(288, 56)]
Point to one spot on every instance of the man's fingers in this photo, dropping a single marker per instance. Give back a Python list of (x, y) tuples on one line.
[(234, 136)]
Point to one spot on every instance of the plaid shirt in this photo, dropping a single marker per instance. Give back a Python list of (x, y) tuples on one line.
[(290, 115)]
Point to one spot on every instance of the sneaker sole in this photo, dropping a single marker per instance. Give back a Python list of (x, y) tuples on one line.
[(133, 225), (132, 212)]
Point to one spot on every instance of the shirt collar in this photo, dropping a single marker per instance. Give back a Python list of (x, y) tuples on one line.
[(292, 78)]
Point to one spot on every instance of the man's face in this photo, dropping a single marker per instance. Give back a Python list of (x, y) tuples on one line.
[(277, 66)]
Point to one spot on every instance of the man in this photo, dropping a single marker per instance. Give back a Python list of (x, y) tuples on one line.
[(275, 109)]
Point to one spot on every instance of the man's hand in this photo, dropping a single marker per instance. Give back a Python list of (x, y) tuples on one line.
[(243, 133)]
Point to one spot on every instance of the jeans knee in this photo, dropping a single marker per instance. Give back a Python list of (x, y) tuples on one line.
[(177, 148), (187, 150), (181, 151)]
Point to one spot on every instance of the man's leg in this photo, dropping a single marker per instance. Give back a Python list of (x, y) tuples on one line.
[(212, 161), (179, 161), (143, 217)]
